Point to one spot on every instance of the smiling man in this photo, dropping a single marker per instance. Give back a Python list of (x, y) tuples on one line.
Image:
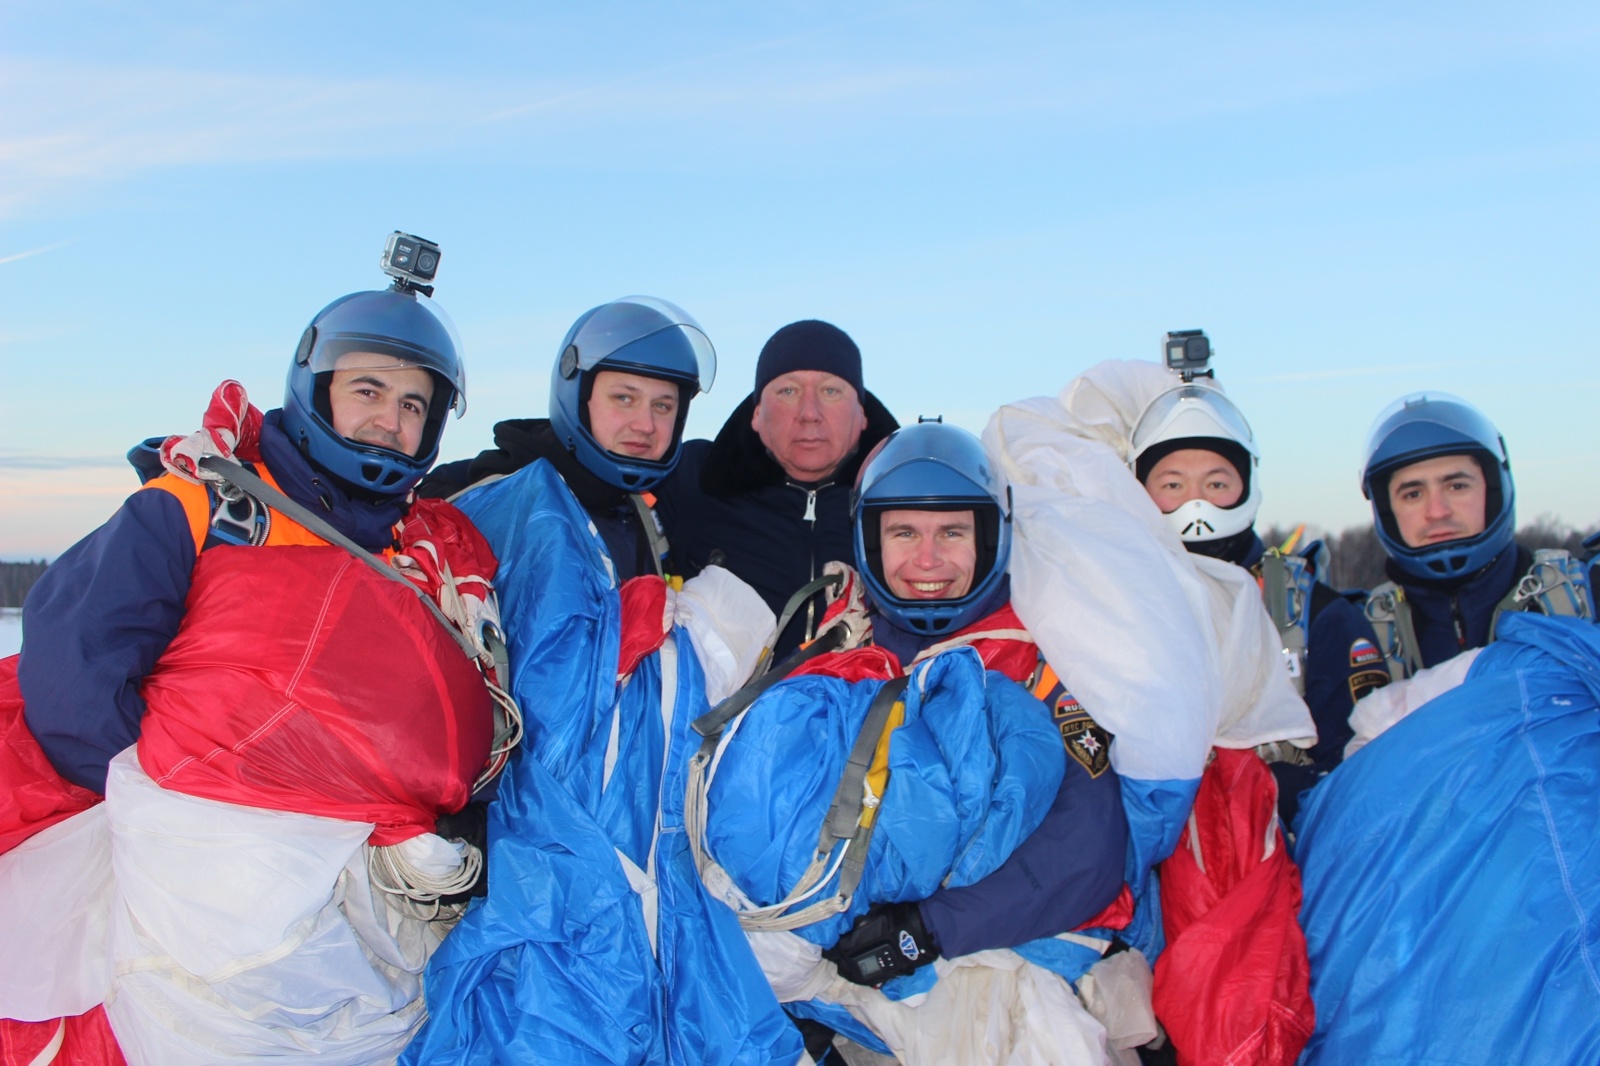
[(378, 400), (932, 539), (771, 495), (1443, 499)]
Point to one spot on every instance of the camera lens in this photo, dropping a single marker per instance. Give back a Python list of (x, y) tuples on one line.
[(427, 263)]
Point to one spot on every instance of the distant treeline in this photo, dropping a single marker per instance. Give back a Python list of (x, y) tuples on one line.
[(16, 579), (1356, 558)]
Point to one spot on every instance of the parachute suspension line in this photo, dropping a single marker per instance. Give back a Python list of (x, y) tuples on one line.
[(417, 891)]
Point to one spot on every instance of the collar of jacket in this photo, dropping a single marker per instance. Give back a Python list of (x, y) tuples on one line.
[(520, 441), (369, 521), (738, 462)]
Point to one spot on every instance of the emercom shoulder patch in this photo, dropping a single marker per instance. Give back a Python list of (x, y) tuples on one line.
[(1366, 681), (1086, 742)]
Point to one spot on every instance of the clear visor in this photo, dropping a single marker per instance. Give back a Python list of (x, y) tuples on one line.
[(358, 353), (1441, 408), (1191, 411), (634, 318)]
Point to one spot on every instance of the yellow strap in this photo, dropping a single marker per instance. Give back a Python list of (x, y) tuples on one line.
[(878, 772)]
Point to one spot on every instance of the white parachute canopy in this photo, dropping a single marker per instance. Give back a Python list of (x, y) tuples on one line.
[(1131, 621)]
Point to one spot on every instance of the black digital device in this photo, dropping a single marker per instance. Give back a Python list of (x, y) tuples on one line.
[(412, 261), (875, 966), (1188, 351)]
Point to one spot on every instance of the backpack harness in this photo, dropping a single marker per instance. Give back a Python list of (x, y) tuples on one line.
[(1287, 580), (1556, 584)]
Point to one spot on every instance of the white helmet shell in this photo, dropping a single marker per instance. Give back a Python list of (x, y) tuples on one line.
[(1201, 416)]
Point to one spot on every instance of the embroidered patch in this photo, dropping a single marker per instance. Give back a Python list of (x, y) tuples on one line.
[(1364, 653), (1366, 681), (908, 946), (1086, 742)]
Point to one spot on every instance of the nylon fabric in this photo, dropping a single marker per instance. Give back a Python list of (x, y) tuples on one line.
[(1452, 871), (972, 770), (276, 694), (1229, 898), (35, 796), (556, 965), (1172, 651)]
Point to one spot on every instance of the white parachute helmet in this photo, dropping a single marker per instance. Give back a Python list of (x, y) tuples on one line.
[(1200, 416)]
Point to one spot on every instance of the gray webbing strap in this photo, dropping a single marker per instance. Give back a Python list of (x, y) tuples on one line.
[(844, 816), (710, 724), (840, 824), (237, 475), (658, 540), (800, 597)]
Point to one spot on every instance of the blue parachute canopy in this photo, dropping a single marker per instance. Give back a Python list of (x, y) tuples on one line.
[(1452, 868)]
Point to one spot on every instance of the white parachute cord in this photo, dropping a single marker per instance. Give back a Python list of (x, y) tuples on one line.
[(416, 892)]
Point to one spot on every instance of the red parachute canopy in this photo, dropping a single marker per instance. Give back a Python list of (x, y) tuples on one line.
[(32, 794), (1234, 984), (303, 681)]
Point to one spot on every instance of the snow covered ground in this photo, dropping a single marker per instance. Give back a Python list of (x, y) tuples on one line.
[(10, 631)]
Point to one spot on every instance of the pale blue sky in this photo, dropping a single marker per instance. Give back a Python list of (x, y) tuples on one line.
[(1354, 200)]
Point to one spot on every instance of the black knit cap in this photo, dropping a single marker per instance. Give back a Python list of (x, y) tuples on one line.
[(810, 345)]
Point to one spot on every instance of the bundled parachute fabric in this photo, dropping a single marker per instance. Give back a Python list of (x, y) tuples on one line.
[(301, 681), (972, 763), (33, 796), (82, 1040), (596, 942), (972, 769), (1172, 651), (307, 708), (1452, 868), (1233, 985)]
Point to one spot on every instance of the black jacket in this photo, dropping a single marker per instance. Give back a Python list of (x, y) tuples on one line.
[(731, 496), (520, 441)]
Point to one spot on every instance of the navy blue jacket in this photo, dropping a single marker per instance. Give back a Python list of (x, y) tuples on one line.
[(520, 441), (729, 496), (1453, 616), (1070, 868), (1342, 664), (101, 615)]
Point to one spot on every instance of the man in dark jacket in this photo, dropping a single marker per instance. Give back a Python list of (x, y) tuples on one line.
[(619, 395), (771, 495), (1443, 504)]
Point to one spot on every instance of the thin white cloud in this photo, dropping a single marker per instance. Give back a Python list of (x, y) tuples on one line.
[(29, 254)]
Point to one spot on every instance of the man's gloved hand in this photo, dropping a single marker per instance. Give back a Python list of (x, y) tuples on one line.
[(471, 824), (886, 942)]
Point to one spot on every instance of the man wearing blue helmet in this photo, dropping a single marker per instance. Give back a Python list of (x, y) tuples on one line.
[(932, 531), (1443, 503), (369, 387), (619, 394)]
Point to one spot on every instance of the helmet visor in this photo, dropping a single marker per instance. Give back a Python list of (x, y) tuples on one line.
[(1191, 411), (633, 319), (357, 352)]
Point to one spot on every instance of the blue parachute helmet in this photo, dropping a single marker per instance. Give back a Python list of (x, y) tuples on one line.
[(388, 330), (635, 335), (1426, 425), (932, 467)]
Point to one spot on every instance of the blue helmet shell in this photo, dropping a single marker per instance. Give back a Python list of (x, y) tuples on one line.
[(1426, 425), (398, 325), (636, 335), (935, 467)]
